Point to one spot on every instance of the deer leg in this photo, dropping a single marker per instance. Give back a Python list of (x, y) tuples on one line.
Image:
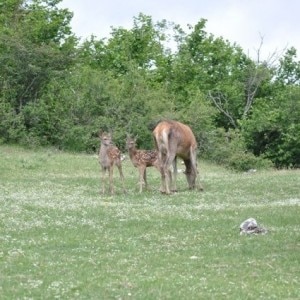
[(198, 184), (174, 179), (163, 187), (193, 179), (167, 178), (168, 173), (103, 179), (163, 181), (121, 176), (160, 166), (197, 180), (111, 173), (141, 177), (145, 178)]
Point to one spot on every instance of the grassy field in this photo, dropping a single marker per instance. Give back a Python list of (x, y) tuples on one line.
[(61, 239)]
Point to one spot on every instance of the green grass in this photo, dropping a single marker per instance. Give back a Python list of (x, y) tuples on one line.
[(61, 239)]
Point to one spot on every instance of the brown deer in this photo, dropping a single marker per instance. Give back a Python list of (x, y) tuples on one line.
[(142, 159), (174, 139), (109, 156)]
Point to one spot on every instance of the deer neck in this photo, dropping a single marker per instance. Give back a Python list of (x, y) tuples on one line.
[(132, 153), (103, 149), (103, 155)]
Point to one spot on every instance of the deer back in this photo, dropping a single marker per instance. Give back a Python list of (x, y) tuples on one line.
[(173, 136), (140, 157)]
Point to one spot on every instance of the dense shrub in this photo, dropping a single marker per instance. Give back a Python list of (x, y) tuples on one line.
[(229, 149), (272, 130), (57, 92)]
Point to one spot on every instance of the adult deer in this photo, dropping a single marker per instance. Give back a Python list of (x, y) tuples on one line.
[(142, 159), (174, 139), (109, 156)]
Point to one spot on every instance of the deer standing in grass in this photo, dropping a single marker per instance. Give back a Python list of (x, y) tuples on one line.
[(174, 139), (142, 159), (109, 156)]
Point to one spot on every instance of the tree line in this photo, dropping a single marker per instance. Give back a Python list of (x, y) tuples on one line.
[(56, 90)]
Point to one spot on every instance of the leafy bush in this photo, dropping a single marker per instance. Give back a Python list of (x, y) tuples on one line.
[(243, 161), (11, 124), (200, 115), (273, 130), (228, 149)]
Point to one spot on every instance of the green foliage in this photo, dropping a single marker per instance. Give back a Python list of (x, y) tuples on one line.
[(272, 130), (289, 69), (212, 65), (11, 124), (36, 45), (229, 149), (246, 161), (94, 100), (54, 91), (140, 48), (199, 114)]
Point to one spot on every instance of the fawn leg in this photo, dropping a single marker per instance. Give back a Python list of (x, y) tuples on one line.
[(103, 171), (145, 178), (111, 185), (121, 176), (141, 177)]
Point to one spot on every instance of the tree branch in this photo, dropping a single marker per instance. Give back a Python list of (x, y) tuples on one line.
[(220, 101)]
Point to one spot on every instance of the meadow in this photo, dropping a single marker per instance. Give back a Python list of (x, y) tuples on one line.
[(61, 239)]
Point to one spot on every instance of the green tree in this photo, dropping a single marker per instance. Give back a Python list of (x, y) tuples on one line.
[(220, 70), (273, 128), (289, 69), (36, 44), (140, 47)]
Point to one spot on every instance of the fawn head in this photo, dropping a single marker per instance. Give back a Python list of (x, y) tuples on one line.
[(105, 138), (130, 142)]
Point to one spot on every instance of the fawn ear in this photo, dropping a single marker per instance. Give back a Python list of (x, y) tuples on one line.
[(100, 133), (130, 137)]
